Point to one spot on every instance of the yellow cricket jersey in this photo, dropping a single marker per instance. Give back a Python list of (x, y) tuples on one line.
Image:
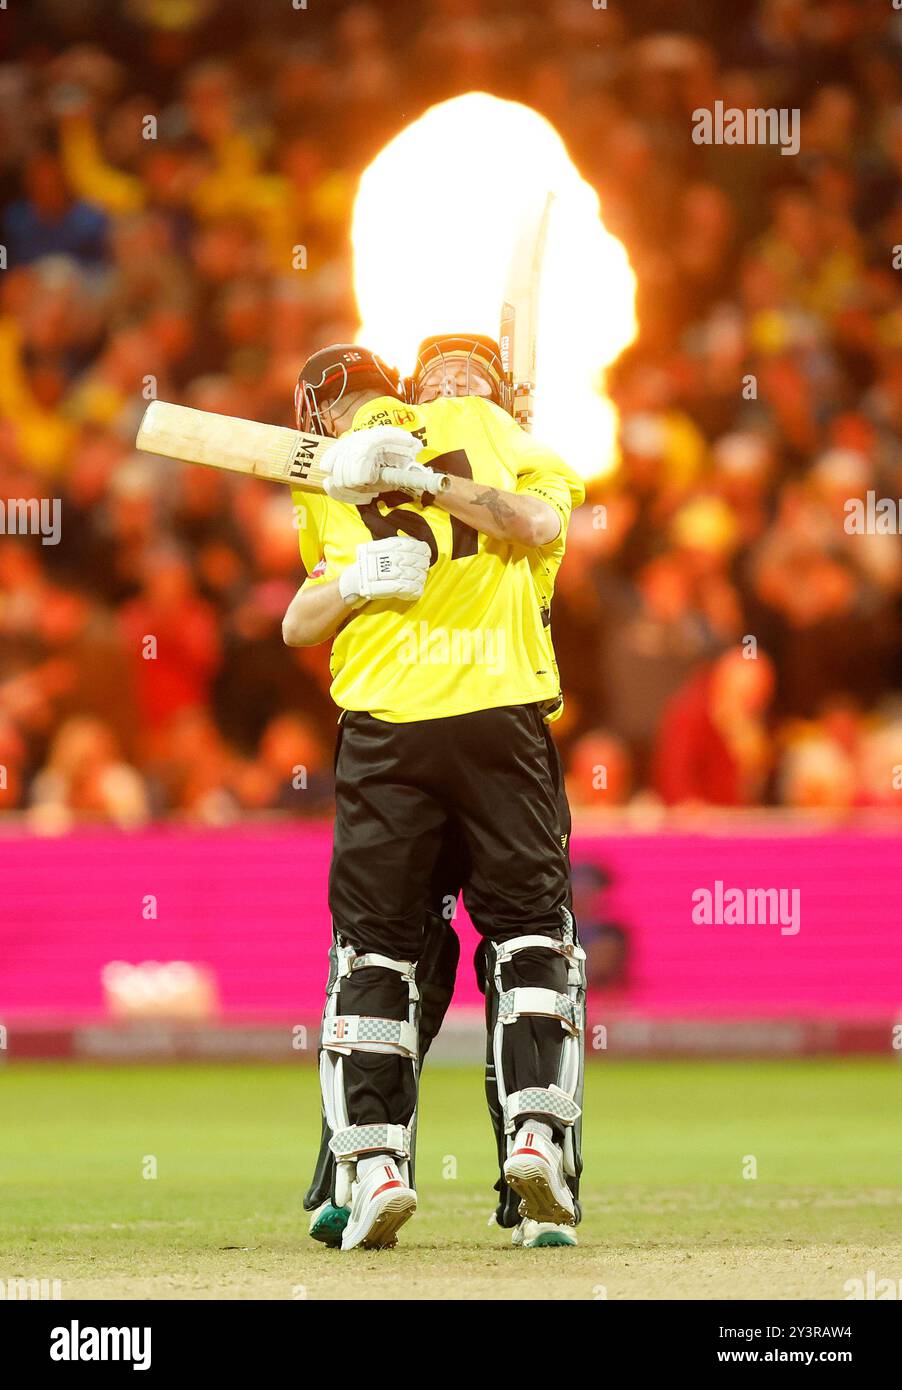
[(479, 637)]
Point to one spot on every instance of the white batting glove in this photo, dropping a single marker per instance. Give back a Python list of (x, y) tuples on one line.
[(393, 568), (355, 462)]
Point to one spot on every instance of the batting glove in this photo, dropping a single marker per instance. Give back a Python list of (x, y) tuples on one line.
[(355, 462), (393, 568)]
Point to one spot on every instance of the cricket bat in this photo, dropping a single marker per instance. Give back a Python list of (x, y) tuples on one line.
[(271, 452), (520, 313)]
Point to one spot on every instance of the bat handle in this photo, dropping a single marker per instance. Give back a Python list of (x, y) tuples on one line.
[(411, 477)]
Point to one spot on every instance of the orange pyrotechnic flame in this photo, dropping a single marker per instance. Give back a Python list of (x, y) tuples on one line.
[(436, 221)]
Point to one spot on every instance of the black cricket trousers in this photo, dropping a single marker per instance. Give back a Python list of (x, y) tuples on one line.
[(492, 776)]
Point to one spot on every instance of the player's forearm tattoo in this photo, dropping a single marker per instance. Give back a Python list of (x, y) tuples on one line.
[(502, 512)]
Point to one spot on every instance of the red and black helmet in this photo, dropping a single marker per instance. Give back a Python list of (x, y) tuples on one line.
[(330, 373)]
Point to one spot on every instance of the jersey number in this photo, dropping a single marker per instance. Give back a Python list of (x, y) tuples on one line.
[(381, 525)]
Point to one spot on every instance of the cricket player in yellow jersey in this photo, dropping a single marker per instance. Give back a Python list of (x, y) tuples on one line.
[(443, 666), (463, 365)]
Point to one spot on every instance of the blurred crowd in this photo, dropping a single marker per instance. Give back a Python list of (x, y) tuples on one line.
[(724, 640)]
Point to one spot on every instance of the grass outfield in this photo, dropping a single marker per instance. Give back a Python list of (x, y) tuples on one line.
[(667, 1211)]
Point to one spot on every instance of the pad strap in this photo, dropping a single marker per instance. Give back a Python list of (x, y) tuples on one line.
[(536, 1100), (361, 1139), (530, 999), (506, 950), (369, 958), (349, 961), (358, 1032)]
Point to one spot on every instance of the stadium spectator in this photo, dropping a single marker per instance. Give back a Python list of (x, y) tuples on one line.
[(763, 392), (598, 773), (84, 779), (713, 745), (170, 635)]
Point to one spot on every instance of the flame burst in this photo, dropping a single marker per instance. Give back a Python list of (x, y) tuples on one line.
[(435, 225)]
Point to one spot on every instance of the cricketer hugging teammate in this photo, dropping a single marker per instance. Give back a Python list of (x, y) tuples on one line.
[(447, 778)]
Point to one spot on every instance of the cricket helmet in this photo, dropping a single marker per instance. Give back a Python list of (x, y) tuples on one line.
[(334, 371), (467, 347)]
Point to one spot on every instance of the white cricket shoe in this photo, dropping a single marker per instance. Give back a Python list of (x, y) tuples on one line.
[(535, 1171), (381, 1202), (530, 1234)]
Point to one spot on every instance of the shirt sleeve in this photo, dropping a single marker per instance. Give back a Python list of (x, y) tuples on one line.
[(308, 519), (562, 490), (540, 472)]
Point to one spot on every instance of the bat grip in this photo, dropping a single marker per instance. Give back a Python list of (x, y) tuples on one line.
[(412, 477)]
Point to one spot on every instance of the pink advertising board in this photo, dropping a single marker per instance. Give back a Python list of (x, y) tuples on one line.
[(249, 904)]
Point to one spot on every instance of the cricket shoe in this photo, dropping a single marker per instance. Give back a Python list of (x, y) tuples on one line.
[(327, 1224), (381, 1202), (531, 1234), (535, 1171)]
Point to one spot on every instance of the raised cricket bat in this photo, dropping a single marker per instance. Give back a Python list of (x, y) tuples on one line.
[(272, 452), (520, 313)]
